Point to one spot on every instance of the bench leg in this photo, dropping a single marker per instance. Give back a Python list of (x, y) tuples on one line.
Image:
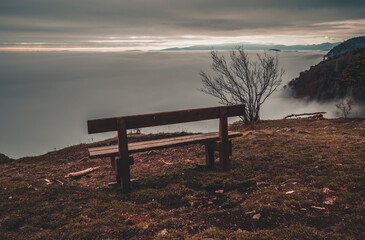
[(230, 148), (123, 174), (224, 161), (224, 153), (209, 156), (117, 178), (115, 167), (112, 162), (123, 163)]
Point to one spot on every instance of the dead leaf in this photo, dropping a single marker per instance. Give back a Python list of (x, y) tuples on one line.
[(219, 191), (256, 216), (290, 192)]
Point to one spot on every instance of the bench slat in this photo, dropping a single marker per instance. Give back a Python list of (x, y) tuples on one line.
[(112, 151), (163, 118)]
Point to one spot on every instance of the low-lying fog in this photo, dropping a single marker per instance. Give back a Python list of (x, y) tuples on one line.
[(46, 98)]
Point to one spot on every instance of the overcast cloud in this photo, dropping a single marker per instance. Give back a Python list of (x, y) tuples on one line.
[(76, 23)]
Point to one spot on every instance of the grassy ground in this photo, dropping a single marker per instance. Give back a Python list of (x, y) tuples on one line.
[(291, 179)]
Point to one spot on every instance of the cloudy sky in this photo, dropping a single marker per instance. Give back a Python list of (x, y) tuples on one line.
[(117, 25)]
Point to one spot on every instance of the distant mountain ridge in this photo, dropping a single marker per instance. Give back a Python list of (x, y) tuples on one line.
[(319, 47), (346, 46)]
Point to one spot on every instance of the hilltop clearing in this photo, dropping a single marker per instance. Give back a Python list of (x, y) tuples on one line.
[(290, 179)]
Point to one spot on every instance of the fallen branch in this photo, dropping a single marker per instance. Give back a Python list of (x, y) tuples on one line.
[(81, 173), (59, 181), (168, 163), (302, 114)]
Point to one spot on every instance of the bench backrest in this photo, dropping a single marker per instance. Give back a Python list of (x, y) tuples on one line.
[(164, 118)]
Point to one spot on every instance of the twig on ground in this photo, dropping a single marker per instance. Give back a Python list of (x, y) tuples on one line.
[(81, 173)]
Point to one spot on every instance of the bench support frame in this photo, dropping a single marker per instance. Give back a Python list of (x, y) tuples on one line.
[(122, 163)]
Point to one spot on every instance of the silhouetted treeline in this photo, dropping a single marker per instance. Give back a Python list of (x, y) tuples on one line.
[(333, 79)]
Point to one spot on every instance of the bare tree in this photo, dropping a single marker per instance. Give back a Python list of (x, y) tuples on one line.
[(243, 81), (345, 107)]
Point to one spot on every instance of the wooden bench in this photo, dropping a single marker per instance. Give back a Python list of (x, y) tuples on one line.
[(119, 154)]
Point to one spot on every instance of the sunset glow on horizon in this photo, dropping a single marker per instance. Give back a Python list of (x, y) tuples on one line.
[(153, 25), (156, 43)]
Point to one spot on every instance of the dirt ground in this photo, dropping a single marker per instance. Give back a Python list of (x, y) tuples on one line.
[(290, 179)]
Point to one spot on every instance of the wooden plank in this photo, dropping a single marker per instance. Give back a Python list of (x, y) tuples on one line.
[(102, 125), (162, 118), (110, 151)]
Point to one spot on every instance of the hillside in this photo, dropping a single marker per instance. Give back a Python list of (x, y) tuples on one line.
[(333, 79), (347, 46), (291, 179)]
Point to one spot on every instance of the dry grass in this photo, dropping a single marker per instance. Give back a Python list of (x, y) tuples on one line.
[(291, 179)]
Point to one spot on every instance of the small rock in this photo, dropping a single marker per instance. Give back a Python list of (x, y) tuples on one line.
[(328, 201), (162, 232), (326, 190)]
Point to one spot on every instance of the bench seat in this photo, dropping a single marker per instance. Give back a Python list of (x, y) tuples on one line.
[(112, 151)]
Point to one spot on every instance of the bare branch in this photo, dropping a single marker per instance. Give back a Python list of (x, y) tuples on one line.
[(242, 81)]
